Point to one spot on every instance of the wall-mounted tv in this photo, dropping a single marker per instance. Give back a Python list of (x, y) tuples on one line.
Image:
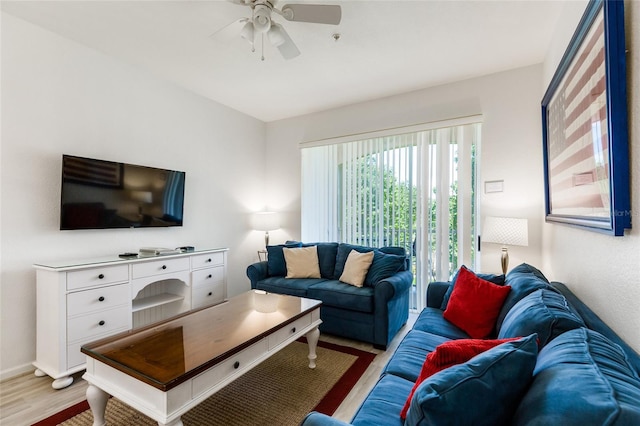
[(98, 194)]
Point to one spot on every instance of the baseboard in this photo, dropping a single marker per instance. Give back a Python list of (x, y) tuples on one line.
[(16, 371)]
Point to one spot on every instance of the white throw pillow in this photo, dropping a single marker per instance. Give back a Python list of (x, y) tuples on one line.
[(356, 268), (302, 262)]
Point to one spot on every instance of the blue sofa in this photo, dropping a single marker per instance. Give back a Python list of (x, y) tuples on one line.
[(578, 372), (373, 313)]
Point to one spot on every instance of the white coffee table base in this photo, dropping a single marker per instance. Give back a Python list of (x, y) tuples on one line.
[(168, 407)]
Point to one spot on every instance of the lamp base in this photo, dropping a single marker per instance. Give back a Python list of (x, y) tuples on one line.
[(266, 239), (504, 260)]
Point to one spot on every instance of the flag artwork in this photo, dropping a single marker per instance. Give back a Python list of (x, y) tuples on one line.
[(577, 135)]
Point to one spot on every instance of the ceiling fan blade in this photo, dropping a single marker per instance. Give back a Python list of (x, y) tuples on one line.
[(283, 42), (315, 13)]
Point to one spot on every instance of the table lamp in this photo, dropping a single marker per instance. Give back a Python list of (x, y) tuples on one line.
[(508, 231), (266, 221)]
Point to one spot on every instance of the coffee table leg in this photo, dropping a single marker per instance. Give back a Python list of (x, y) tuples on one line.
[(312, 340), (97, 399)]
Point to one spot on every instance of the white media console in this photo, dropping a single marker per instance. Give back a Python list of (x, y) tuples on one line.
[(79, 302)]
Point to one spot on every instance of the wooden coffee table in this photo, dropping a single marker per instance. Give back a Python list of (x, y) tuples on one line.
[(165, 369)]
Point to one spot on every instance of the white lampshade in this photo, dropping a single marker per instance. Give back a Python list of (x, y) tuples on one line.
[(265, 221), (509, 231)]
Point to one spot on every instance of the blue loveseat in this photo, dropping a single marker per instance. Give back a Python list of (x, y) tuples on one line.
[(569, 369), (372, 313)]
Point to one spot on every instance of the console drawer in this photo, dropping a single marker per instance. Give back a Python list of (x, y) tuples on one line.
[(207, 294), (207, 260), (235, 364), (289, 330), (97, 276), (86, 327), (205, 277), (98, 299), (159, 267)]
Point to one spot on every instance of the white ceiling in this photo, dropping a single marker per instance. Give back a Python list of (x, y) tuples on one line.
[(385, 47)]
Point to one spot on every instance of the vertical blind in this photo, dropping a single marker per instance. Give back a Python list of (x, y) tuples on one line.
[(414, 190)]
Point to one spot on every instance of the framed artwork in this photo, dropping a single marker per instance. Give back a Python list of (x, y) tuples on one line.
[(585, 129)]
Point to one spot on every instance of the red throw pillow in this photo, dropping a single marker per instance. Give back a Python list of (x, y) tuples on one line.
[(449, 354), (475, 304)]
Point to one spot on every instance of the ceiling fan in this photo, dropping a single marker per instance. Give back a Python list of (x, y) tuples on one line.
[(261, 22)]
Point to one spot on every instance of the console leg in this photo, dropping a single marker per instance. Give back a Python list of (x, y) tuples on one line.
[(97, 399), (312, 340), (176, 422), (39, 373), (62, 382)]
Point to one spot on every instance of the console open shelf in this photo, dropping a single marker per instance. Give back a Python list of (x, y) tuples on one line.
[(153, 301)]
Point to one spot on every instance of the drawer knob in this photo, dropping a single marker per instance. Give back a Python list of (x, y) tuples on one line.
[(101, 276), (236, 365), (209, 276), (210, 293), (164, 266), (101, 323), (101, 299), (293, 330), (208, 260)]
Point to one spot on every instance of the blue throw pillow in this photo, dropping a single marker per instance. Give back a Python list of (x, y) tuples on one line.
[(544, 312), (492, 278), (383, 266), (485, 390), (582, 378), (524, 279), (327, 253), (276, 266)]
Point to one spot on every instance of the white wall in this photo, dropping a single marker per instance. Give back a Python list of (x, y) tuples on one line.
[(511, 146), (603, 271), (60, 97)]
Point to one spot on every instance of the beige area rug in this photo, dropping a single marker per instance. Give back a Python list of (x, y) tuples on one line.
[(279, 391)]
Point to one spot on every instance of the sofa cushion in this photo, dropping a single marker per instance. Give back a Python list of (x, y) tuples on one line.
[(341, 295), (524, 279), (276, 266), (544, 312), (302, 262), (447, 355), (291, 286), (356, 268), (326, 257), (407, 360), (431, 320), (483, 391), (475, 304), (492, 278), (581, 378), (383, 266), (342, 254), (382, 406)]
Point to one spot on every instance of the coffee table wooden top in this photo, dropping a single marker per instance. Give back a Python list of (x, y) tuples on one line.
[(170, 352)]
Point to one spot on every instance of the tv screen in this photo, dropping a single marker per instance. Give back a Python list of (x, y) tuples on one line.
[(98, 194)]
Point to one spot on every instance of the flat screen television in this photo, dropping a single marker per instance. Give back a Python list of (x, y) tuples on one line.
[(98, 194)]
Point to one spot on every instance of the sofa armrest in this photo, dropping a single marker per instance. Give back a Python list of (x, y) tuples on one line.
[(318, 419), (394, 285), (256, 272), (435, 293)]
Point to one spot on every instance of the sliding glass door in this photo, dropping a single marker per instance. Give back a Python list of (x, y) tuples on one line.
[(415, 190)]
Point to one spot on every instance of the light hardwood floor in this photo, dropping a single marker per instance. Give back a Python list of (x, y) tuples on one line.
[(26, 399)]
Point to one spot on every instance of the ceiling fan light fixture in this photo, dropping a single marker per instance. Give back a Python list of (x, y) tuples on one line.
[(248, 32), (276, 35), (262, 18)]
